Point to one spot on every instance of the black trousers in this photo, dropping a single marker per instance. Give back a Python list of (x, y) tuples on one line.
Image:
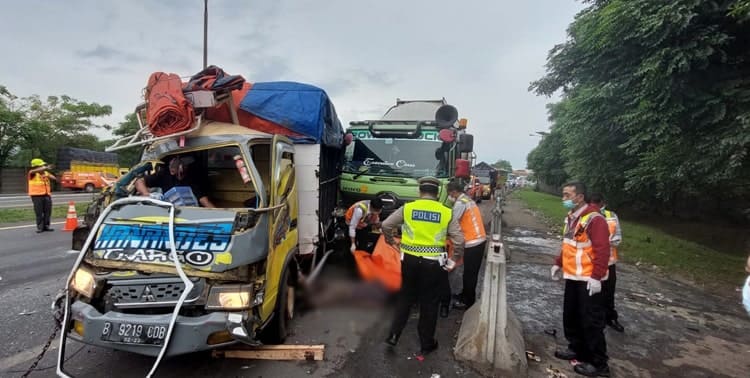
[(365, 239), (42, 210), (583, 322), (608, 291), (421, 280), (473, 257)]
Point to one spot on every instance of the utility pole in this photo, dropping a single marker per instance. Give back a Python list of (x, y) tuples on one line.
[(205, 34)]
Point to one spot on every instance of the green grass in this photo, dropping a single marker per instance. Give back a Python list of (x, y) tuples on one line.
[(27, 214), (647, 245)]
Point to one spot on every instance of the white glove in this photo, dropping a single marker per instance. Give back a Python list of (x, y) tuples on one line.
[(554, 273), (449, 265), (593, 286), (352, 248), (155, 195)]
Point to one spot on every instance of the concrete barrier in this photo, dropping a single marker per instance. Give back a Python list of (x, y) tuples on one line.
[(491, 337)]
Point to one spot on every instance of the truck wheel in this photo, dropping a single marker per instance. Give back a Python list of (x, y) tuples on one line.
[(277, 331), (89, 188)]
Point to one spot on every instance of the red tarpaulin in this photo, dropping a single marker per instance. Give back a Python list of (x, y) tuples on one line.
[(168, 111)]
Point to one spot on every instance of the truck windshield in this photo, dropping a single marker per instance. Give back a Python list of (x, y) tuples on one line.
[(396, 157), (484, 180)]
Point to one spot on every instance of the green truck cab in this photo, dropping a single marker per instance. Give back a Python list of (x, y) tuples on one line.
[(413, 139)]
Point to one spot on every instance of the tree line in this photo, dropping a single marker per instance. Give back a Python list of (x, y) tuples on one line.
[(654, 105), (33, 127)]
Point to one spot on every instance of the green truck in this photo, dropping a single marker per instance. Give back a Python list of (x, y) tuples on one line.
[(413, 139)]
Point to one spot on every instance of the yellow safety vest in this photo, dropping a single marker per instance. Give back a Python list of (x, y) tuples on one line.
[(612, 224), (39, 184), (425, 228)]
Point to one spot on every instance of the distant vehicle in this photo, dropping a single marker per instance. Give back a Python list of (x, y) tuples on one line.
[(486, 190), (474, 189), (86, 181)]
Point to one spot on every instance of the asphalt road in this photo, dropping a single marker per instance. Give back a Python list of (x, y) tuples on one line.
[(9, 201), (350, 324)]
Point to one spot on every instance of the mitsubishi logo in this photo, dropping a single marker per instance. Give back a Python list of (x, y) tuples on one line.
[(147, 296)]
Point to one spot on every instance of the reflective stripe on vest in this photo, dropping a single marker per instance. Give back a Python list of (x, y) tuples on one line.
[(577, 252), (365, 206), (39, 184), (612, 223), (425, 228), (471, 222)]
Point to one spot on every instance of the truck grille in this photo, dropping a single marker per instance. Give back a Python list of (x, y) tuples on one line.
[(157, 292)]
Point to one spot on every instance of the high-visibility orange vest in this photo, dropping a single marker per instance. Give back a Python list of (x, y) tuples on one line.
[(612, 223), (471, 222), (39, 184), (365, 206), (577, 251)]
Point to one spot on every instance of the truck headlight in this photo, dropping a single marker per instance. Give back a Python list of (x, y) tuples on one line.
[(229, 297), (83, 282)]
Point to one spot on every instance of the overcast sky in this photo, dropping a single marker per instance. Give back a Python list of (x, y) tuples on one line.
[(479, 55)]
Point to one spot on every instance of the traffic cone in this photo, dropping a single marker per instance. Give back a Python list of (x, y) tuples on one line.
[(71, 221)]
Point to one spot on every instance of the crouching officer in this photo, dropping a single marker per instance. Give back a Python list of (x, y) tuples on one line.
[(425, 226), (362, 217)]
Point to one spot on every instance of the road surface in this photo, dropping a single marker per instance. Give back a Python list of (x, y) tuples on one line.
[(10, 201)]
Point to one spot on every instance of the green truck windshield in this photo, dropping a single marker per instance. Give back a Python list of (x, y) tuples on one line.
[(396, 157)]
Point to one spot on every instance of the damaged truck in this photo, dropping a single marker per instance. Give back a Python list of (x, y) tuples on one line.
[(163, 276)]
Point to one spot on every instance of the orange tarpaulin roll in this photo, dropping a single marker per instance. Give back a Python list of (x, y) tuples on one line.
[(383, 266), (168, 111)]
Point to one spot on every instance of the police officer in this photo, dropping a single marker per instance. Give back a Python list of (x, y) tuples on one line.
[(425, 226), (361, 218), (40, 191)]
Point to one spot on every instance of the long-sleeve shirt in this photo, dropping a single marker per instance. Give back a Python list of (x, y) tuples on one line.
[(396, 220), (616, 238), (356, 217), (598, 233)]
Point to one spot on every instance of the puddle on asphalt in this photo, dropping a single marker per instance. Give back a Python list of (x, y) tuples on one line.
[(534, 241)]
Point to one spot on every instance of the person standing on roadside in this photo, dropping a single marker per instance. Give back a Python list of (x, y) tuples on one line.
[(426, 225), (40, 191), (615, 237), (583, 260), (467, 214)]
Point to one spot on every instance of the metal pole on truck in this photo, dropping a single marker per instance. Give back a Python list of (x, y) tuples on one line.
[(205, 34)]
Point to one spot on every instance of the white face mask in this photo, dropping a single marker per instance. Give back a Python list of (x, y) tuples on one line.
[(746, 295)]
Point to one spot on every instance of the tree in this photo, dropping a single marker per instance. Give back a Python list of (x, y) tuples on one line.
[(11, 125), (128, 157), (503, 164), (45, 125), (655, 98)]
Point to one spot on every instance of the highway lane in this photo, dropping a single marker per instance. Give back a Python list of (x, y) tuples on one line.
[(10, 201)]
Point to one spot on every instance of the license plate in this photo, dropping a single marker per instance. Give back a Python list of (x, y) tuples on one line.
[(134, 333)]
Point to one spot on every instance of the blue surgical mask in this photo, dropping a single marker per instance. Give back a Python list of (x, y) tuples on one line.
[(568, 204), (746, 295)]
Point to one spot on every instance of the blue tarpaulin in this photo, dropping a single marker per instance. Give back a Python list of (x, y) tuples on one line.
[(302, 108)]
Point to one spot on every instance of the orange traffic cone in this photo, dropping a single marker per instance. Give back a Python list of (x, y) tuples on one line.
[(71, 221)]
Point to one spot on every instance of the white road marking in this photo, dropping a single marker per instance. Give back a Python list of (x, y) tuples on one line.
[(25, 226)]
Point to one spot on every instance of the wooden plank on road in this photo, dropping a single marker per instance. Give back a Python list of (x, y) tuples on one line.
[(274, 352)]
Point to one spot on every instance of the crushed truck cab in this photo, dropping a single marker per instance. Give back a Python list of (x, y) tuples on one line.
[(161, 279)]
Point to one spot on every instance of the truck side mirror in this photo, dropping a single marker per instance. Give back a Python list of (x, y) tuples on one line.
[(466, 143)]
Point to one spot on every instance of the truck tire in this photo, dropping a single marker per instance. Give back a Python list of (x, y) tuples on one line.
[(278, 329), (89, 188)]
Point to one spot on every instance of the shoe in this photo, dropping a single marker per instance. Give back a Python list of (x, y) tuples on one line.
[(566, 354), (616, 325), (429, 348), (444, 310), (590, 370), (39, 231), (49, 229), (392, 339)]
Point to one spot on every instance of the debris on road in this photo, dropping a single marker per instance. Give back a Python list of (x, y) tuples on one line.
[(554, 373), (274, 352), (532, 356)]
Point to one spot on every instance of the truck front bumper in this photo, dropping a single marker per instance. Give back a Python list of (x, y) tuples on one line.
[(190, 334)]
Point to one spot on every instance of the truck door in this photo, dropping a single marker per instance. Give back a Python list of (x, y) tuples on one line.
[(282, 236)]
